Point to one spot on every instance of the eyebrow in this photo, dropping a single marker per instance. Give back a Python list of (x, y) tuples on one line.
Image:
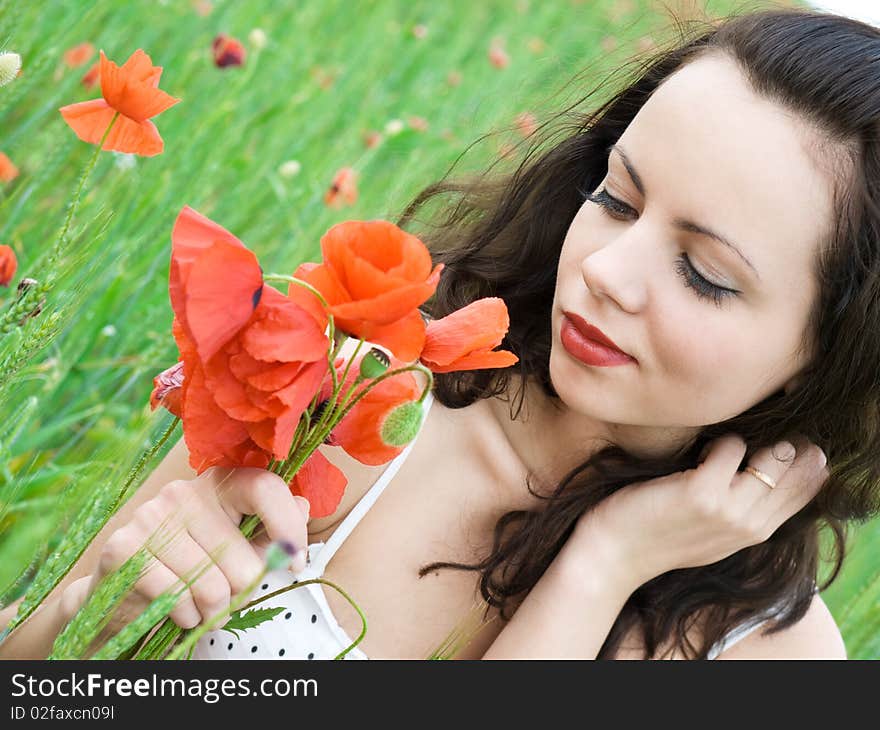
[(680, 223)]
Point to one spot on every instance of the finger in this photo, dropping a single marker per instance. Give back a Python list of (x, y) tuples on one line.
[(249, 490), (184, 557), (723, 457), (234, 555), (773, 462), (154, 581), (802, 483)]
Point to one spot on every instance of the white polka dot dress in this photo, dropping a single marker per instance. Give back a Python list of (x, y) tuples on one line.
[(307, 628)]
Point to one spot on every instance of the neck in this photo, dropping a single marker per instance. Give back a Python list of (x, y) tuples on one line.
[(549, 439)]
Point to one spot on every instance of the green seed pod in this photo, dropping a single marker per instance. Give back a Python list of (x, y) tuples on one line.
[(402, 424), (374, 363)]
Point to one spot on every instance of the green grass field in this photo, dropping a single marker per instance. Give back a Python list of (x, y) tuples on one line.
[(78, 376)]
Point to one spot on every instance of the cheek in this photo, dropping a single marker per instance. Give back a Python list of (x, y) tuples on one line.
[(701, 351)]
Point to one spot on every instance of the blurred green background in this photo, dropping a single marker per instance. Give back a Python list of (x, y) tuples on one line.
[(396, 90)]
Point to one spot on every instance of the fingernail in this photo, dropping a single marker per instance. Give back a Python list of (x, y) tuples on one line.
[(303, 504), (785, 451), (823, 458), (299, 561)]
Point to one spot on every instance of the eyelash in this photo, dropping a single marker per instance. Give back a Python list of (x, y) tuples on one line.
[(691, 277)]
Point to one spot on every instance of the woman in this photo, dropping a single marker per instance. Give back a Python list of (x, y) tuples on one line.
[(746, 347)]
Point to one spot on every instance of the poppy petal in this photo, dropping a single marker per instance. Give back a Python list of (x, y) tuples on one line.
[(478, 360), (208, 431), (136, 138), (321, 482), (275, 378), (405, 337), (305, 298), (282, 330), (324, 280), (222, 291), (192, 234), (88, 119), (393, 303), (132, 89), (228, 392), (275, 435), (480, 325)]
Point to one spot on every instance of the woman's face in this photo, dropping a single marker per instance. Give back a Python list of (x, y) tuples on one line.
[(705, 149)]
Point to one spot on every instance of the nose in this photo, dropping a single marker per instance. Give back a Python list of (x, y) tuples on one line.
[(619, 271)]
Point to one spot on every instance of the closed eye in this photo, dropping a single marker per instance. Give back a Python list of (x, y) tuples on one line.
[(703, 288)]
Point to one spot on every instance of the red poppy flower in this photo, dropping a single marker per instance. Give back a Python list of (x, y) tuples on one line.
[(343, 190), (8, 171), (78, 55), (8, 265), (252, 357), (132, 90), (464, 339), (374, 277), (228, 51)]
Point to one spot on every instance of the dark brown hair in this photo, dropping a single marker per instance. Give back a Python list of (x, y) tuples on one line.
[(503, 237)]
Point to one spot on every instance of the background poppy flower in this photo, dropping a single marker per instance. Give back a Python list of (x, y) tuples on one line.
[(8, 171), (8, 265), (78, 55), (132, 90), (228, 51), (343, 190), (374, 277), (464, 339)]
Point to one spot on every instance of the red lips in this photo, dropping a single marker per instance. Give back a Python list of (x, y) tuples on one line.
[(593, 333)]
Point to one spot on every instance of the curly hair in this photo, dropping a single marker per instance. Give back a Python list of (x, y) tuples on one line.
[(502, 234)]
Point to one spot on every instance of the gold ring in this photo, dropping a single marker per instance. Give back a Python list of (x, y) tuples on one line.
[(768, 480)]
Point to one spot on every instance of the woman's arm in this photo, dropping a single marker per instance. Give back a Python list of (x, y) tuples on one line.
[(549, 623)]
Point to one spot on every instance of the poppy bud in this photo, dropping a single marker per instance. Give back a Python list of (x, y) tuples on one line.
[(374, 363), (402, 424), (10, 65)]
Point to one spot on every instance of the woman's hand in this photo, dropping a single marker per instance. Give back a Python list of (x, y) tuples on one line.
[(702, 515), (193, 523)]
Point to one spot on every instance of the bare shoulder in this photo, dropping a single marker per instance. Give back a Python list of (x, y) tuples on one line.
[(815, 636), (360, 477)]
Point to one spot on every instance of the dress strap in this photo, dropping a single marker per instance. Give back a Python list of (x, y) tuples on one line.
[(360, 509)]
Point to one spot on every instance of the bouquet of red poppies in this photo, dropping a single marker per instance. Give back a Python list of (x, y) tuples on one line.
[(260, 381), (254, 385)]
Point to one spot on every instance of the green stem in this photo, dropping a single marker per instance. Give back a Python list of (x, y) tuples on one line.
[(299, 584), (82, 181)]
